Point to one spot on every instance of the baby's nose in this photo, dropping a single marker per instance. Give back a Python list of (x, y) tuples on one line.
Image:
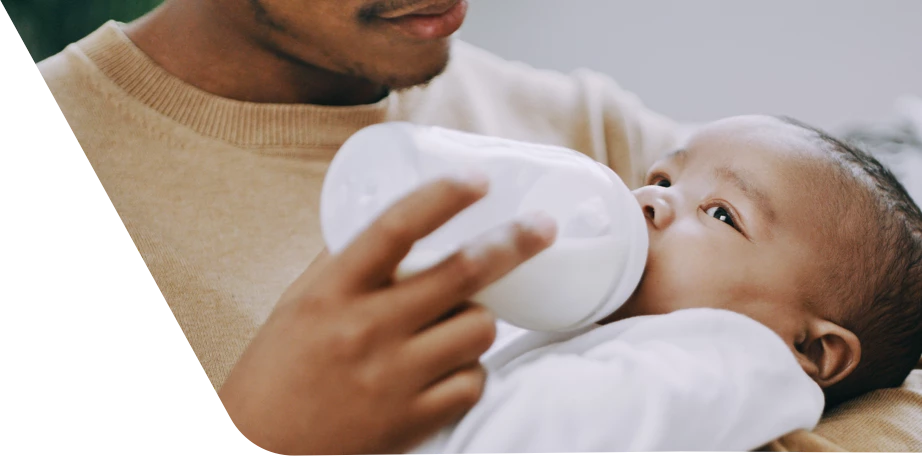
[(657, 204)]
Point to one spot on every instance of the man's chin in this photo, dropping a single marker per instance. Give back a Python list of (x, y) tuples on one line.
[(409, 81), (418, 75)]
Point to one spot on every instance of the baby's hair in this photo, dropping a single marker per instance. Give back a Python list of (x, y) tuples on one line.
[(888, 317)]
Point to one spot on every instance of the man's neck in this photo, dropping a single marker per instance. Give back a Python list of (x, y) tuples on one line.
[(205, 50)]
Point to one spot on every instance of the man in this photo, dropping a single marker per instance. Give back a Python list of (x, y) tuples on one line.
[(211, 122)]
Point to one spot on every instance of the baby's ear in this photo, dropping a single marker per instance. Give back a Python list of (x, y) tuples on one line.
[(831, 351)]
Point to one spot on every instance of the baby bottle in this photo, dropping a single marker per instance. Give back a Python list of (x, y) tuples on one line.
[(589, 271)]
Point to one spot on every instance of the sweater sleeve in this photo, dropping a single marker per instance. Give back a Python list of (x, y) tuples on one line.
[(625, 134), (693, 380)]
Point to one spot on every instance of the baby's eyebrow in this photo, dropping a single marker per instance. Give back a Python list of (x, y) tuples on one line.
[(743, 182), (677, 155)]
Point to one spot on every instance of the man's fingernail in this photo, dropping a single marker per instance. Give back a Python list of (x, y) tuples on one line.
[(541, 224)]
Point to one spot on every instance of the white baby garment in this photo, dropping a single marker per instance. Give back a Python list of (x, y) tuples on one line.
[(691, 380)]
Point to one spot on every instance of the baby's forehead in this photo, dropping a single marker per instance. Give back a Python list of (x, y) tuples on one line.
[(754, 136), (788, 163), (784, 153)]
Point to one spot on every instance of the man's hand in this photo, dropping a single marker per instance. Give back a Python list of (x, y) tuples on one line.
[(351, 362)]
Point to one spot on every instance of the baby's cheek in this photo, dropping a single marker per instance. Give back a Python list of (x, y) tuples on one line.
[(662, 291), (683, 271), (671, 287)]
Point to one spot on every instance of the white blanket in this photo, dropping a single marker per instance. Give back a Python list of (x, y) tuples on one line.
[(699, 379)]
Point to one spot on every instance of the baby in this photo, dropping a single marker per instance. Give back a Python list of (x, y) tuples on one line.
[(784, 277)]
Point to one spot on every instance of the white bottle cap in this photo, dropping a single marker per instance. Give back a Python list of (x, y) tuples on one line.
[(635, 262)]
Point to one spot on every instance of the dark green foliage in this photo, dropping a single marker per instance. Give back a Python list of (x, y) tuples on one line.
[(47, 26)]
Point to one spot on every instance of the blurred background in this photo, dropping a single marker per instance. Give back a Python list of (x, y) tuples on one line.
[(828, 62)]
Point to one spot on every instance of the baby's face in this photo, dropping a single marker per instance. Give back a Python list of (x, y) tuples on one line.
[(734, 223)]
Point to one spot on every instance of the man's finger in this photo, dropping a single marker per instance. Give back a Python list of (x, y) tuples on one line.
[(450, 398), (308, 277), (453, 343), (374, 255), (423, 298)]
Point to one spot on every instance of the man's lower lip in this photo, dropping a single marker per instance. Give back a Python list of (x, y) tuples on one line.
[(431, 27)]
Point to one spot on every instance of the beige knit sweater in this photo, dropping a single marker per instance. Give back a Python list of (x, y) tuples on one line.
[(221, 196)]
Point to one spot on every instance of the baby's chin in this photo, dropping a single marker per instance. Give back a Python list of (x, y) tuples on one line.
[(633, 307), (643, 303)]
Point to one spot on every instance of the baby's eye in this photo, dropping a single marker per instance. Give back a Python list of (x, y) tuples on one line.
[(721, 214), (662, 182)]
